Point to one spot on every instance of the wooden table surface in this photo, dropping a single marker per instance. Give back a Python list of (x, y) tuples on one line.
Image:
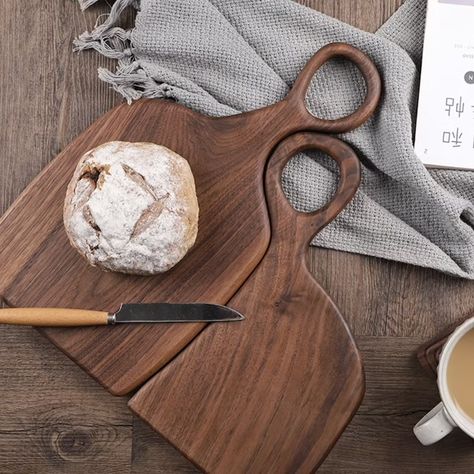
[(55, 419)]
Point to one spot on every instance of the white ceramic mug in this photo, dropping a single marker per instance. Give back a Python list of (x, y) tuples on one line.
[(440, 421)]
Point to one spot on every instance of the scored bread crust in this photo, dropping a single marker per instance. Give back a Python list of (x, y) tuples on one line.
[(132, 208)]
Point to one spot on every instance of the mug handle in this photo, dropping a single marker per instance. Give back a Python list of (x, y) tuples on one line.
[(434, 426)]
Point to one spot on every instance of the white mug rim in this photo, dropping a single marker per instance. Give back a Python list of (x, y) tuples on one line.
[(456, 415)]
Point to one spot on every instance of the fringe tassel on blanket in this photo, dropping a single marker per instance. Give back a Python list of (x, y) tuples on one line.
[(133, 83), (130, 80), (84, 4), (106, 38)]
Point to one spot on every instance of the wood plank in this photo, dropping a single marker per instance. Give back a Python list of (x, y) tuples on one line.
[(53, 417), (48, 95), (379, 297), (376, 444), (154, 455)]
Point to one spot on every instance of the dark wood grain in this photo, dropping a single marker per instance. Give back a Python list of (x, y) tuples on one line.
[(47, 97), (274, 392), (65, 425), (233, 235), (227, 156), (153, 454)]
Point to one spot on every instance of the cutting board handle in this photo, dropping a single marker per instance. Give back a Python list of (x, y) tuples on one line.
[(309, 224), (296, 99)]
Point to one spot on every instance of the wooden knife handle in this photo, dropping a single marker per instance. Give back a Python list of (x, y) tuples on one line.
[(53, 317)]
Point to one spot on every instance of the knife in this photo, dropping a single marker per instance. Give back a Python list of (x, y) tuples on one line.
[(128, 313)]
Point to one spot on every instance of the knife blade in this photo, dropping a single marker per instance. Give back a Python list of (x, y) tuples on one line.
[(172, 312), (127, 314)]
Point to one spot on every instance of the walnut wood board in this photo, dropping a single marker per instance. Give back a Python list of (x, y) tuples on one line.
[(227, 157), (274, 392), (41, 268)]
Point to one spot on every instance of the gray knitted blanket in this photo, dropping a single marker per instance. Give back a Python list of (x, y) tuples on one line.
[(222, 57)]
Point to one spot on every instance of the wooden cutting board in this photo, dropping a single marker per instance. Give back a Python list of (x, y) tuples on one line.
[(41, 268), (227, 156), (273, 393)]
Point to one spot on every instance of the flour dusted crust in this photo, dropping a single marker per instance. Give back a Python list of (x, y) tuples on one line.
[(132, 208)]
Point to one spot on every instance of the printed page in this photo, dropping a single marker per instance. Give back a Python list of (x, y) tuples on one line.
[(445, 123)]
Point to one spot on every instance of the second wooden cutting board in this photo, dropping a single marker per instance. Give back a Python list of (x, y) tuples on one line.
[(270, 394)]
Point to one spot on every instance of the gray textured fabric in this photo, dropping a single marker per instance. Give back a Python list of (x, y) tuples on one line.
[(222, 57)]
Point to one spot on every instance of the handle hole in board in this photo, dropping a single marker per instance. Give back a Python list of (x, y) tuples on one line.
[(337, 90), (310, 181)]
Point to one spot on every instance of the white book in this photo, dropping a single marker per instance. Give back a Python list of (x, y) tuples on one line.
[(445, 122)]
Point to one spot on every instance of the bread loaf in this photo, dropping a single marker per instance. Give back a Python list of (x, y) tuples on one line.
[(132, 208)]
